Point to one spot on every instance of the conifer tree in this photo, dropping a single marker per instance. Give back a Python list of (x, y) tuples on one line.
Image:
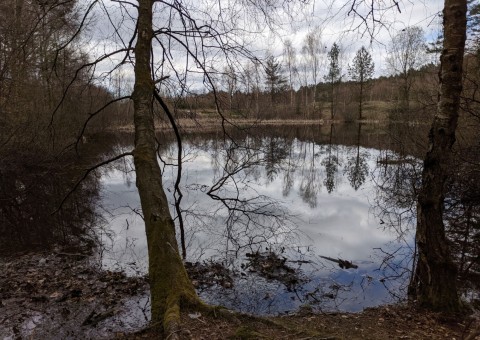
[(361, 71)]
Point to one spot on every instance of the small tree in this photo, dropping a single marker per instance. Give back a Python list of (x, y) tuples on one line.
[(274, 79), (407, 53), (333, 76), (229, 80), (361, 71), (291, 61), (313, 57)]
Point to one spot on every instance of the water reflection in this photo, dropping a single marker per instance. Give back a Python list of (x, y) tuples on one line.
[(357, 167), (264, 195), (33, 212)]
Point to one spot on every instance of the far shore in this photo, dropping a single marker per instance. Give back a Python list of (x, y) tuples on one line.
[(187, 124)]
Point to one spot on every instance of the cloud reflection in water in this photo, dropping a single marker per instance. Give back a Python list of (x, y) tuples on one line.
[(336, 224)]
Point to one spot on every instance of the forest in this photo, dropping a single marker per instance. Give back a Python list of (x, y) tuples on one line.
[(179, 121)]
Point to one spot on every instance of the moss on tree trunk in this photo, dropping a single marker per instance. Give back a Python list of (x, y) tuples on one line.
[(169, 283)]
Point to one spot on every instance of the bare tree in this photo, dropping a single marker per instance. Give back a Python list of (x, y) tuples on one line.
[(291, 62), (229, 79), (167, 35), (406, 54), (434, 284), (313, 51)]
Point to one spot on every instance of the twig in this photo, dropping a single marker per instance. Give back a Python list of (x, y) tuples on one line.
[(130, 153)]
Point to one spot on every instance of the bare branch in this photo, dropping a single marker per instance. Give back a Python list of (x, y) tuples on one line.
[(85, 175)]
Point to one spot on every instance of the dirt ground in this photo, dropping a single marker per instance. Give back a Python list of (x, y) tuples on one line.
[(388, 322), (62, 295), (393, 322)]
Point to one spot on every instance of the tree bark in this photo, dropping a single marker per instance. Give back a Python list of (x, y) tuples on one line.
[(169, 283), (361, 98), (435, 283)]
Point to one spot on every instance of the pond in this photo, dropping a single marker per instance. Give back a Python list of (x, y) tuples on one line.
[(276, 221)]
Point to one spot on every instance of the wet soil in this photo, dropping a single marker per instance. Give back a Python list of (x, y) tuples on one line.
[(63, 295)]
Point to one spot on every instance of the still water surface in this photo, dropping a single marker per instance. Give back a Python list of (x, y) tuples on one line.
[(296, 198)]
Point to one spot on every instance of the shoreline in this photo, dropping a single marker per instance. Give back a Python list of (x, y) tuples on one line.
[(207, 124), (58, 294)]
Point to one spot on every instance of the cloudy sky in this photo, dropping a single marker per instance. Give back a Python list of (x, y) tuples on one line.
[(248, 28), (336, 24)]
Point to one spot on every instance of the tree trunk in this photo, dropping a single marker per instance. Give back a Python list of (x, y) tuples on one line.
[(169, 282), (435, 283), (361, 99), (332, 112)]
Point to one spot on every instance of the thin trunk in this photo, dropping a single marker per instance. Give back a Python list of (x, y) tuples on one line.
[(466, 236), (291, 96), (436, 274), (18, 59), (361, 100), (306, 101), (169, 282), (332, 112)]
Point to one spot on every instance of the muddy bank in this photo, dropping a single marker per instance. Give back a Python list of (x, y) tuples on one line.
[(61, 294)]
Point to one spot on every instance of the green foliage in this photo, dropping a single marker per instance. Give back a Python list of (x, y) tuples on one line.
[(362, 66), (274, 79), (333, 75)]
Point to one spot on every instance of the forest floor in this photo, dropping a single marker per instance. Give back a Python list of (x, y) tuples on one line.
[(61, 294)]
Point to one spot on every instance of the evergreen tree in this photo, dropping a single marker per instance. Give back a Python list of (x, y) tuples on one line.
[(333, 75), (361, 71), (274, 79)]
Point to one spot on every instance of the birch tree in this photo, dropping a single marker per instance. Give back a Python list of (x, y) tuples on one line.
[(291, 62), (434, 285), (407, 53), (312, 50)]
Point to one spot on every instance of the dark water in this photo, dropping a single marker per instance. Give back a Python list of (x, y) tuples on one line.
[(298, 193), (38, 206)]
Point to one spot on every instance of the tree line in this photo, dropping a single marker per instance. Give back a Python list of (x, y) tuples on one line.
[(316, 83)]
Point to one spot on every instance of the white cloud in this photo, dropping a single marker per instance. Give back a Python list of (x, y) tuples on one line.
[(331, 17)]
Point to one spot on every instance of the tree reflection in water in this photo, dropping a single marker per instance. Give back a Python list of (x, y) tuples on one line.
[(266, 197), (39, 208), (331, 163), (357, 167), (30, 197)]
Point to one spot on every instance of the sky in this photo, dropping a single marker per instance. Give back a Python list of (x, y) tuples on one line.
[(336, 25), (248, 29)]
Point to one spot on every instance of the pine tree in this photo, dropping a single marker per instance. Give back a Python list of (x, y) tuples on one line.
[(275, 81), (333, 76), (361, 71)]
